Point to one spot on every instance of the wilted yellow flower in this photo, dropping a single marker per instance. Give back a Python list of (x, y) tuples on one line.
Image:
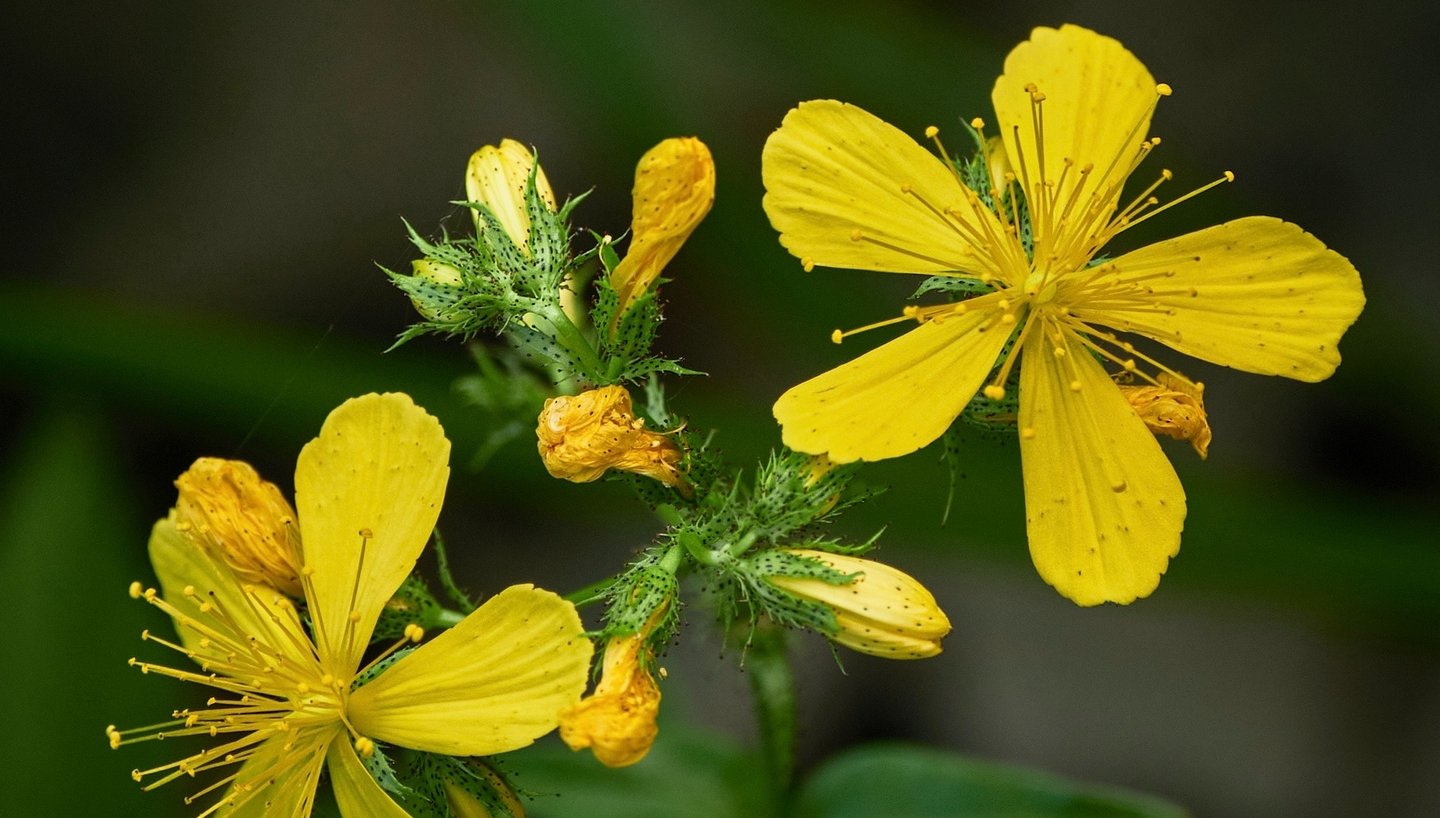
[(618, 720), (1104, 508), (580, 437), (225, 508), (368, 490), (674, 189), (1173, 407), (883, 612), (496, 177)]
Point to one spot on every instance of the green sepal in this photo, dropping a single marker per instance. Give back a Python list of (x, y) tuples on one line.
[(383, 771), (957, 287), (426, 774), (411, 604)]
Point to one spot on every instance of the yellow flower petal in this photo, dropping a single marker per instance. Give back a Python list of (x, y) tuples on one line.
[(836, 181), (497, 177), (1257, 294), (898, 397), (356, 792), (674, 189), (493, 683), (1096, 111), (1103, 506), (368, 491), (263, 612)]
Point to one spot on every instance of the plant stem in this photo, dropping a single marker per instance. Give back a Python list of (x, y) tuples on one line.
[(772, 683)]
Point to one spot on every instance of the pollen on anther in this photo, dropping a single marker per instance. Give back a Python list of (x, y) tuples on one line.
[(994, 392), (136, 589), (931, 131), (1229, 175), (414, 632), (365, 747), (1164, 89), (977, 123), (856, 235), (807, 264), (836, 337)]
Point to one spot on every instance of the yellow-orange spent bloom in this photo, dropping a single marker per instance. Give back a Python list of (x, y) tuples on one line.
[(618, 721), (227, 509), (580, 437), (674, 189), (1174, 408)]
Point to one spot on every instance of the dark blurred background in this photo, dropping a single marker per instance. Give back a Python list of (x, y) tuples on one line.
[(197, 195)]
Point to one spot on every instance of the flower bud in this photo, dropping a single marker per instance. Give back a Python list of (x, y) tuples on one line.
[(580, 437), (436, 288), (496, 177), (617, 721), (997, 162), (483, 793), (674, 189), (882, 611), (241, 520), (1175, 408)]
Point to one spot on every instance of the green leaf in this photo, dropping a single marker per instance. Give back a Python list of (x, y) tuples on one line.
[(687, 774), (900, 781)]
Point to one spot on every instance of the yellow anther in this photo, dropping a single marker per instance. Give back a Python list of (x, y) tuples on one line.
[(977, 123), (150, 594), (931, 132), (1229, 175), (1027, 433), (856, 235), (1164, 89), (136, 589), (189, 591), (906, 188), (367, 534), (1129, 364), (960, 308), (1059, 352), (910, 311), (836, 337), (1166, 175), (994, 392), (365, 747), (414, 632), (354, 616), (807, 264)]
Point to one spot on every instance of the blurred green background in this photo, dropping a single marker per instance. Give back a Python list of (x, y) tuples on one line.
[(197, 196)]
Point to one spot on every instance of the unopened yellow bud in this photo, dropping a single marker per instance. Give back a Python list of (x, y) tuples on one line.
[(437, 301), (582, 436), (1175, 408), (617, 721), (225, 508), (468, 799), (674, 189), (496, 177), (883, 612)]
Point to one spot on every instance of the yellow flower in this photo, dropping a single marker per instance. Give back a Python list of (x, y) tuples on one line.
[(883, 612), (580, 437), (242, 521), (496, 177), (1104, 508), (368, 491), (674, 189), (618, 721)]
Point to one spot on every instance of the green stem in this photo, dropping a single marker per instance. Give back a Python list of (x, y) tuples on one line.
[(772, 683), (594, 592), (573, 339), (446, 618)]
